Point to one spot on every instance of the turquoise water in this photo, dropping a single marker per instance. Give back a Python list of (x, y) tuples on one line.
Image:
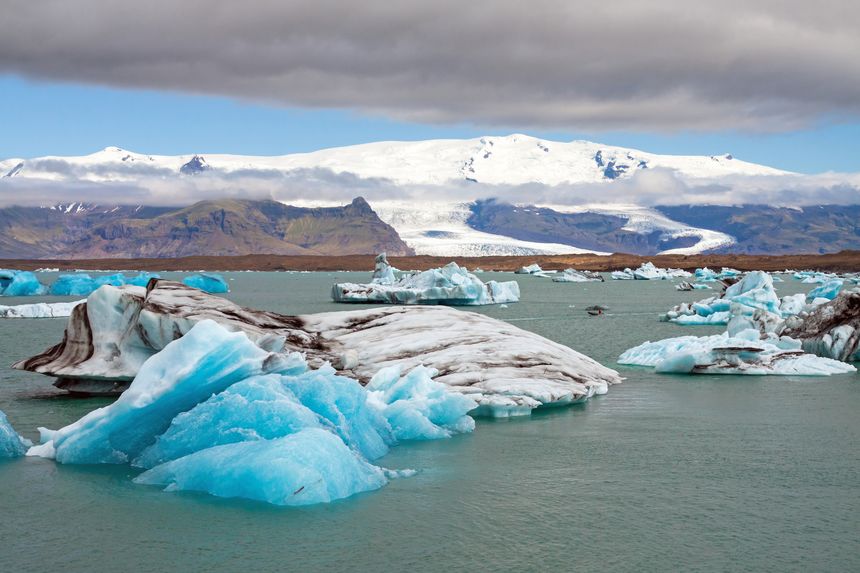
[(664, 473)]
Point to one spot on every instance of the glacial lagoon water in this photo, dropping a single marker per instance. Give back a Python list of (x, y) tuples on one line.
[(664, 473)]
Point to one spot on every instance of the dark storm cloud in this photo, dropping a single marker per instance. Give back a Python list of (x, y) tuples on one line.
[(661, 64)]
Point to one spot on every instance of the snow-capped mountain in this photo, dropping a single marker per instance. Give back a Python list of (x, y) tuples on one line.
[(506, 160), (441, 225)]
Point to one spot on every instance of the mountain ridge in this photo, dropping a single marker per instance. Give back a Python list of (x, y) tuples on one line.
[(215, 227)]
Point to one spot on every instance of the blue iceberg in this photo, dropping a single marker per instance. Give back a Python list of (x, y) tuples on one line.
[(214, 412), (310, 466), (11, 444), (142, 279), (20, 283), (208, 359), (207, 282), (827, 290), (78, 284)]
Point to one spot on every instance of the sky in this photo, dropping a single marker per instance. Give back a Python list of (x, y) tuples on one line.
[(771, 82)]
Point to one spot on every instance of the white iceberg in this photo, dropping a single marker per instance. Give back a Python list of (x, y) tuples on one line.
[(383, 273), (531, 269), (754, 292), (743, 352), (450, 285), (574, 276), (40, 310), (504, 369), (649, 272)]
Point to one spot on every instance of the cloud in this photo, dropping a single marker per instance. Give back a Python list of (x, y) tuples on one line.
[(317, 186), (556, 64)]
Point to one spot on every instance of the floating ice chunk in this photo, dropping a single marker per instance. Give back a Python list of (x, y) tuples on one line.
[(574, 276), (207, 282), (78, 284), (705, 275), (142, 279), (40, 310), (625, 275), (711, 319), (649, 272), (206, 360), (744, 353), (11, 444), (827, 290), (831, 329), (307, 467), (383, 273), (451, 285), (532, 269), (792, 304), (755, 291), (418, 408), (20, 283)]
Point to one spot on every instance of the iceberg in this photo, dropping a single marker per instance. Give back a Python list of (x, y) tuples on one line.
[(142, 279), (705, 275), (625, 275), (649, 272), (207, 282), (79, 284), (40, 310), (383, 273), (688, 286), (450, 285), (831, 329), (754, 292), (827, 290), (308, 467), (742, 352), (574, 276), (20, 283), (215, 412), (207, 360), (82, 284), (11, 444), (531, 269), (501, 367)]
